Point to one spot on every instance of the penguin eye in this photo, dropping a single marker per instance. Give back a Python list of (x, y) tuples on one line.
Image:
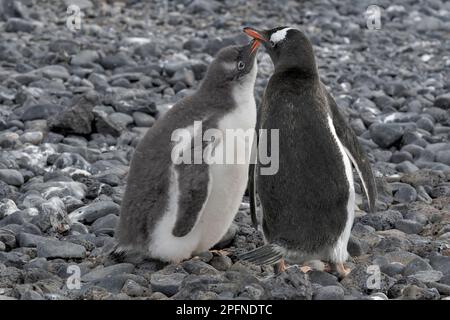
[(272, 43), (240, 65)]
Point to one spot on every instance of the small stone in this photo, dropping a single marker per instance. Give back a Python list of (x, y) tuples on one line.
[(384, 220), (392, 269), (228, 238), (121, 120), (416, 265), (106, 272), (60, 249), (11, 177), (322, 278), (329, 293), (8, 139), (413, 292), (105, 225), (386, 134), (443, 157), (143, 119), (378, 296), (132, 288), (440, 263), (405, 194), (19, 25), (443, 101), (35, 137), (221, 263), (408, 226), (85, 58), (94, 211), (427, 276), (199, 267), (168, 284)]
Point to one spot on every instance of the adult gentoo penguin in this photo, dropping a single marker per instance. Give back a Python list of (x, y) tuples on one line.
[(308, 205), (174, 209)]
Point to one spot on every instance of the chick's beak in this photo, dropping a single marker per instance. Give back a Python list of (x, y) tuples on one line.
[(255, 45)]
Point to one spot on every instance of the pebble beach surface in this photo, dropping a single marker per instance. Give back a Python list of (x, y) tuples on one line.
[(74, 104)]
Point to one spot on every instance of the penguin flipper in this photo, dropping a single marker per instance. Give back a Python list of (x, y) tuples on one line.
[(267, 254), (194, 183), (252, 174), (354, 151)]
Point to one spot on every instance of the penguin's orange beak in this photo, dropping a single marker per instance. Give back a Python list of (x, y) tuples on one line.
[(257, 37), (254, 34)]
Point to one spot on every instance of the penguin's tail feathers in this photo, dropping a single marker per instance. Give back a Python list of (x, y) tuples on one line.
[(267, 254)]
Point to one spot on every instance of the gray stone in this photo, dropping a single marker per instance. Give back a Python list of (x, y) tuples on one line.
[(427, 276), (416, 265), (408, 226), (121, 120), (94, 211), (440, 263), (33, 137), (405, 194), (221, 263), (443, 101), (322, 278), (392, 269), (143, 119), (199, 267), (386, 134), (60, 249), (133, 289), (384, 220), (19, 25), (84, 58), (443, 157), (329, 293), (289, 285), (228, 238), (105, 272), (105, 225), (168, 284), (11, 177), (75, 119)]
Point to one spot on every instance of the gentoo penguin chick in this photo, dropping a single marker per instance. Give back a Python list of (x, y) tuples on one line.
[(173, 209), (308, 205)]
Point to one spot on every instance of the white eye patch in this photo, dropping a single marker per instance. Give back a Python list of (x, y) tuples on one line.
[(280, 35)]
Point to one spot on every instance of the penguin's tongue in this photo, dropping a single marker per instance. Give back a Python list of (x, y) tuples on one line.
[(255, 45)]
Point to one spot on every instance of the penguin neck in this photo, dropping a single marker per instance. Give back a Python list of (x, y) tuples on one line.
[(307, 71)]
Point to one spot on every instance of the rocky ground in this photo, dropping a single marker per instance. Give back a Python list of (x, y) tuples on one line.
[(73, 106)]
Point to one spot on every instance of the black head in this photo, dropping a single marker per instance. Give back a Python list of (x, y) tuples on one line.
[(233, 65), (287, 47)]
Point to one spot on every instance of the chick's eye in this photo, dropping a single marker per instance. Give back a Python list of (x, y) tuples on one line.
[(240, 65), (272, 43)]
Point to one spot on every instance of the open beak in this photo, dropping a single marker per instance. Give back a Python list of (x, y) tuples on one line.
[(255, 34), (255, 45), (257, 38)]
